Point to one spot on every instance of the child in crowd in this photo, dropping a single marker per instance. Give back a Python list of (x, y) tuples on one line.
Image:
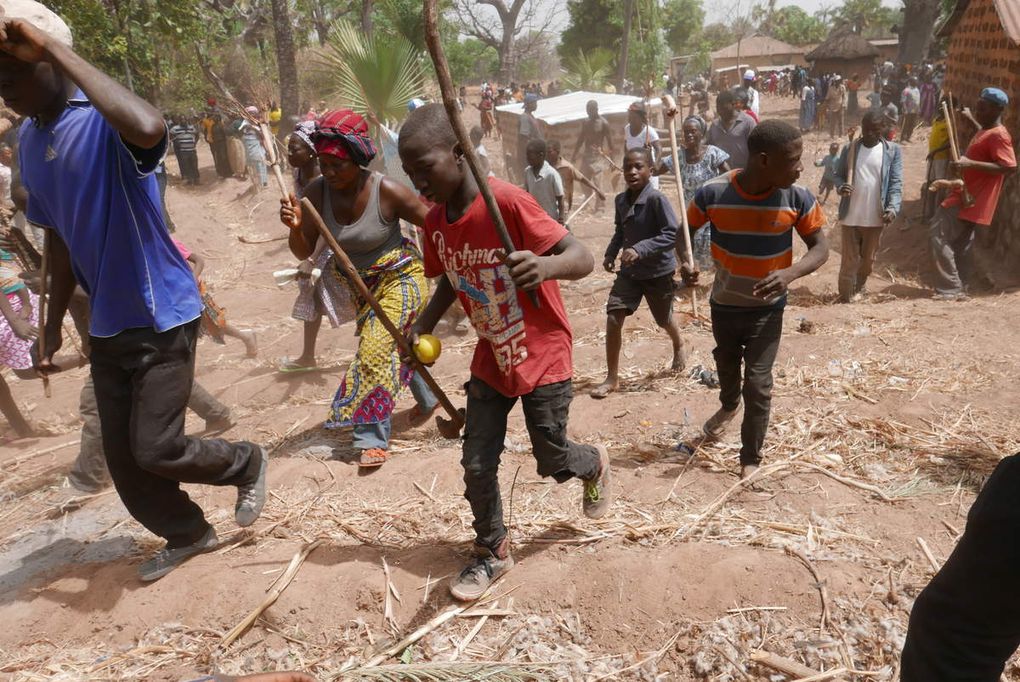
[(646, 231), (523, 351), (214, 318), (483, 155), (753, 213), (828, 162), (18, 330), (543, 182), (568, 175)]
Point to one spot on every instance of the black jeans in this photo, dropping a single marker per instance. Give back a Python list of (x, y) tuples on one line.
[(545, 413), (188, 162), (750, 337), (143, 380), (966, 623)]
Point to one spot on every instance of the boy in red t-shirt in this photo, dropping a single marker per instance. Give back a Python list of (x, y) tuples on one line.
[(523, 351), (988, 160)]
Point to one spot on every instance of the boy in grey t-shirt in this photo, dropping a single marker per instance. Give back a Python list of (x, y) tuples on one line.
[(543, 182)]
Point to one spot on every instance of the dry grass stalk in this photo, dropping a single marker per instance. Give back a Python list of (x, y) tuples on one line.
[(928, 555), (277, 588), (819, 583), (786, 666)]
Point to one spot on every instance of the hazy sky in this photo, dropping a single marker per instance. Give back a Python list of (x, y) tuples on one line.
[(718, 10)]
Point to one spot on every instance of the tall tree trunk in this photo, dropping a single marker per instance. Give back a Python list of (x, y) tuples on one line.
[(507, 63), (628, 15), (917, 33), (286, 60), (366, 16)]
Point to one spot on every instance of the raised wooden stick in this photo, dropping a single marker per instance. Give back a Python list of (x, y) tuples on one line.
[(43, 273), (277, 589), (851, 156), (954, 148), (457, 419), (566, 223), (450, 102), (672, 113)]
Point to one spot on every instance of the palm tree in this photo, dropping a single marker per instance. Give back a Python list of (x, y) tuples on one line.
[(589, 71), (370, 75)]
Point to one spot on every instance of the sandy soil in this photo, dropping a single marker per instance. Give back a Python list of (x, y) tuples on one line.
[(903, 395)]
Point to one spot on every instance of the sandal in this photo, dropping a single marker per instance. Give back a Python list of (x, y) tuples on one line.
[(288, 366), (372, 458)]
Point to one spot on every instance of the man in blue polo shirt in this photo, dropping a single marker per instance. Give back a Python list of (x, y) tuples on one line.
[(87, 153)]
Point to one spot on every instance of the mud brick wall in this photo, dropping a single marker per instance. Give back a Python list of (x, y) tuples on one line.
[(982, 55)]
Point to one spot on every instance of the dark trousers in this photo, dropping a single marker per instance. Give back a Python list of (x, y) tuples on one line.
[(188, 161), (966, 623), (749, 337), (89, 473), (143, 380), (909, 123), (952, 248), (545, 413)]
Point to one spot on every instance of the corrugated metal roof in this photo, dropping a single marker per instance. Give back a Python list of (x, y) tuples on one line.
[(757, 46), (1009, 15), (573, 106)]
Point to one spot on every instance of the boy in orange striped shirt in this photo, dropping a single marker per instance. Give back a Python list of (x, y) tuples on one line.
[(753, 213)]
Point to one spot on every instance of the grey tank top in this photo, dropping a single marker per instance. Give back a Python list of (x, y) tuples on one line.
[(369, 236)]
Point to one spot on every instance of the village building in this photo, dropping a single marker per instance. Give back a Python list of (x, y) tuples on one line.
[(844, 52), (758, 52), (984, 50)]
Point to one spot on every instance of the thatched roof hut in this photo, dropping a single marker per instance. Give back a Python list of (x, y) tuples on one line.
[(843, 52)]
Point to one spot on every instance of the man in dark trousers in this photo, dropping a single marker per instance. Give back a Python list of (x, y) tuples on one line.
[(87, 153)]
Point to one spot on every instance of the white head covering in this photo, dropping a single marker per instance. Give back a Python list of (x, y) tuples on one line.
[(749, 75), (39, 16)]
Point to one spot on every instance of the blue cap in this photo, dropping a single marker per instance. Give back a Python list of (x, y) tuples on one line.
[(996, 97), (531, 98), (415, 103)]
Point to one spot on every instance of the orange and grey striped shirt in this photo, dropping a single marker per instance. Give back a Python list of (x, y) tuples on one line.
[(752, 235)]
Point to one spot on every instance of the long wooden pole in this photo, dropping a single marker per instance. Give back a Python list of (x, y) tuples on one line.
[(402, 341), (446, 87), (43, 286), (672, 113), (954, 148), (851, 156)]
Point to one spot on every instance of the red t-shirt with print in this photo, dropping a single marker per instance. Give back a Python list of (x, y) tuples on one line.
[(520, 347), (993, 145)]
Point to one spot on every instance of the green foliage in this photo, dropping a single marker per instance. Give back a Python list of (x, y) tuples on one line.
[(589, 71), (592, 24), (682, 20), (867, 17), (470, 60), (372, 74), (795, 26)]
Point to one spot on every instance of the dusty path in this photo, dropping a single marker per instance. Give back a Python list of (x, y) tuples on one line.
[(905, 395)]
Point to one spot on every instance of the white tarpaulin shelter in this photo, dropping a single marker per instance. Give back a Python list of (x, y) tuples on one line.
[(573, 106)]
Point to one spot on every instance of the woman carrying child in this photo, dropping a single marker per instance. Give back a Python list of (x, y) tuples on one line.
[(327, 296), (363, 211), (18, 330)]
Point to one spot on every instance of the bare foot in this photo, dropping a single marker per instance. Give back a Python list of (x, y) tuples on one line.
[(679, 362), (250, 343), (604, 389)]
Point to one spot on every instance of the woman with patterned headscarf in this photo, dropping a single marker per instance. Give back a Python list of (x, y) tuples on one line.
[(699, 163), (363, 211)]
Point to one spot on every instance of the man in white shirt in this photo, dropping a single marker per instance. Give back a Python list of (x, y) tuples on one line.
[(638, 134), (872, 194), (543, 182), (753, 100)]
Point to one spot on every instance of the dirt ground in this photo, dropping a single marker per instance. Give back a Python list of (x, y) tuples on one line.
[(888, 414)]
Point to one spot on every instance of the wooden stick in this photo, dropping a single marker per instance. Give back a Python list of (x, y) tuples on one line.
[(580, 208), (851, 157), (43, 286), (954, 147), (425, 629), (785, 665), (402, 341), (819, 583), (672, 113), (928, 555), (278, 587), (446, 87)]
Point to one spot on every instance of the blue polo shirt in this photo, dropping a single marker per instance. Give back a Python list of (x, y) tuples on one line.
[(100, 196)]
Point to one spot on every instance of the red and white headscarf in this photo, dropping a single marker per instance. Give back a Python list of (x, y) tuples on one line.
[(344, 134)]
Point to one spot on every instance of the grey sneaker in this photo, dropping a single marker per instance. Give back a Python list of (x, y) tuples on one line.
[(487, 567), (597, 494), (168, 559), (251, 497), (716, 425)]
